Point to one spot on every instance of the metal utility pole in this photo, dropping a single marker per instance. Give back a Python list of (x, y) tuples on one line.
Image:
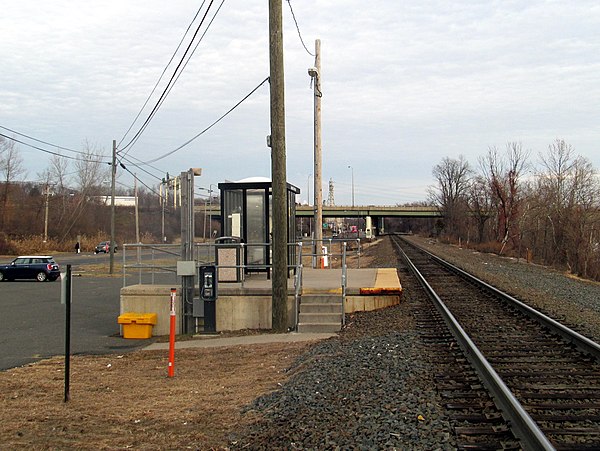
[(315, 73), (278, 168), (352, 181), (137, 210), (164, 200), (112, 207), (187, 247)]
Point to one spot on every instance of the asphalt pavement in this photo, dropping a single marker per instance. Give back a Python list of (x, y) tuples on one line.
[(32, 319)]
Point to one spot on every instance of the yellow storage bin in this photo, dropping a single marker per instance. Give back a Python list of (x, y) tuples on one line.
[(137, 325)]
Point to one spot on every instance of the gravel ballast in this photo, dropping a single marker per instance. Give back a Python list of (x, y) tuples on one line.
[(373, 387)]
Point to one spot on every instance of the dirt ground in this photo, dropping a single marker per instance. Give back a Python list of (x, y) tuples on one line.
[(128, 402)]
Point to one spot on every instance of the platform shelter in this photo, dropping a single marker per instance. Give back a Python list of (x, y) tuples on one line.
[(247, 212)]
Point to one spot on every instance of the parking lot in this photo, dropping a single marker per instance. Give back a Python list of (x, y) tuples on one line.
[(33, 319)]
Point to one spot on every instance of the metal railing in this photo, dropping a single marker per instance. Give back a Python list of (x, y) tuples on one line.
[(152, 260), (298, 285), (335, 248), (155, 259)]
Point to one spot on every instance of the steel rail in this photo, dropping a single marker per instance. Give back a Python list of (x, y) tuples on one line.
[(583, 343), (522, 425)]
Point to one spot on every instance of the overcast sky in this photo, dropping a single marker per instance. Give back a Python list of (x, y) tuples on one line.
[(404, 84)]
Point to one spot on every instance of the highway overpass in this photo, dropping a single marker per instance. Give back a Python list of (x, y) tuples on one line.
[(341, 211)]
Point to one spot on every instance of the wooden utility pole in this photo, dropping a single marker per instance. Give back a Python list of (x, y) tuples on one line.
[(318, 155), (112, 208), (278, 168), (47, 193)]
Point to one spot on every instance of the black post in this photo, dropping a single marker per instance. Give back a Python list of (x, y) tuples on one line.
[(67, 332)]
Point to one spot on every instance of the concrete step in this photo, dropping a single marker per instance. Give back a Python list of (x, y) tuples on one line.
[(321, 308), (320, 299), (319, 328), (320, 313), (320, 318)]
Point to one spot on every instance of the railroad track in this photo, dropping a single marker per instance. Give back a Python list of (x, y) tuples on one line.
[(543, 377)]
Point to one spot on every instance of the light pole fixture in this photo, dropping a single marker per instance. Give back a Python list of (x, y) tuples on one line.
[(352, 169)]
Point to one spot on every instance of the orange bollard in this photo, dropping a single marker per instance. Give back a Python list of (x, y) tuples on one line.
[(172, 334)]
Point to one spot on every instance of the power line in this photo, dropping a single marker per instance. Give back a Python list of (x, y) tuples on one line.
[(298, 28), (209, 127), (170, 88), (43, 142), (139, 180), (140, 168), (138, 163), (163, 72), (169, 84), (54, 153)]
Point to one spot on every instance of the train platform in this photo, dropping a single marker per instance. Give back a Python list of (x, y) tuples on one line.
[(365, 281), (247, 304)]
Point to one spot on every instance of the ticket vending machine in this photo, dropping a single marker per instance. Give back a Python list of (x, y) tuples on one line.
[(207, 281)]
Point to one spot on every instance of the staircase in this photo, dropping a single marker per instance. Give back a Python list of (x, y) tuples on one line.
[(320, 313)]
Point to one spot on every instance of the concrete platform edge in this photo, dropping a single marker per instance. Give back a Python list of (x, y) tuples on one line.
[(217, 342)]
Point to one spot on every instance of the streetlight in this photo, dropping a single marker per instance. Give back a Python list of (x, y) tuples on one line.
[(352, 169)]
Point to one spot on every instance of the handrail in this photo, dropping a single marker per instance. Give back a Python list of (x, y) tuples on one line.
[(157, 258), (298, 285), (314, 253)]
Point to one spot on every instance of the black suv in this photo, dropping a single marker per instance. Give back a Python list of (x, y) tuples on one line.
[(39, 267)]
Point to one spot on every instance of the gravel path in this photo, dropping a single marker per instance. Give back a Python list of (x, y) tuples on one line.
[(373, 386)]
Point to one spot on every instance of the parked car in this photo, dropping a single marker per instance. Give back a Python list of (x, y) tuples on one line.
[(104, 246), (39, 267)]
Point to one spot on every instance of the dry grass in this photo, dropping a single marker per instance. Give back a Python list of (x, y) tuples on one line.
[(129, 402)]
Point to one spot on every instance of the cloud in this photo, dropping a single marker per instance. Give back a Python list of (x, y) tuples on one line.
[(404, 84)]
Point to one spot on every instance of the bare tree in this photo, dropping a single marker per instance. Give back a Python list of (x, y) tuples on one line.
[(502, 173), (569, 199), (58, 172), (450, 193), (11, 167), (480, 204), (90, 170)]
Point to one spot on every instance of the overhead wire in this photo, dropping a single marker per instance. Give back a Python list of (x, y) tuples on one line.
[(163, 73), (169, 88), (209, 127), (171, 82), (54, 153), (298, 28), (139, 180)]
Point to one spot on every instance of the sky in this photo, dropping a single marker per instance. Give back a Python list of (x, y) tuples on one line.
[(404, 85)]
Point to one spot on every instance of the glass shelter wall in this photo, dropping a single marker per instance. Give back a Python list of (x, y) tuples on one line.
[(256, 226), (247, 211), (233, 202)]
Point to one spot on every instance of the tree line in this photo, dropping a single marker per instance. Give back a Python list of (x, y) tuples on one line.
[(545, 209), (72, 193)]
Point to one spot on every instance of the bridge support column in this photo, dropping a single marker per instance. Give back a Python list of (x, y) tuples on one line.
[(380, 225)]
